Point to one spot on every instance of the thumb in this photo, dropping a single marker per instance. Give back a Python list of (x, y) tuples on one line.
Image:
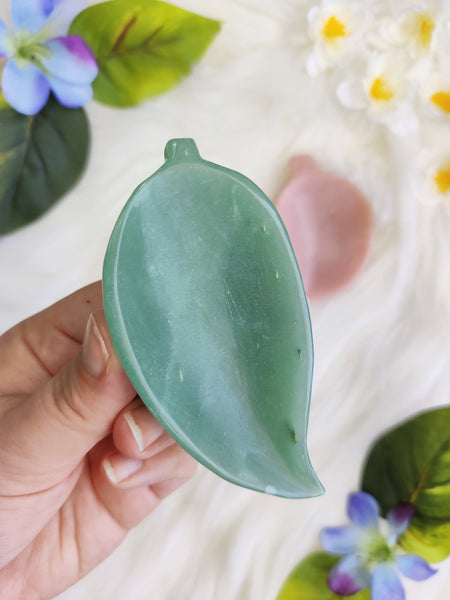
[(50, 432)]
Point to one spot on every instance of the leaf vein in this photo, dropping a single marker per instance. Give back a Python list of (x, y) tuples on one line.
[(26, 143), (116, 52), (123, 34), (58, 133), (424, 474), (13, 148)]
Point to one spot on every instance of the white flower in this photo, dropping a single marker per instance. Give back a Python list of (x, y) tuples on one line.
[(413, 30), (435, 166), (422, 28), (441, 178), (435, 95), (335, 27), (384, 91)]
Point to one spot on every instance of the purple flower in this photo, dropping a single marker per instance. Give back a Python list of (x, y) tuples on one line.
[(369, 557), (43, 58)]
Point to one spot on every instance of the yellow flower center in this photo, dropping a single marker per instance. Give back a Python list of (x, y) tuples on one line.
[(442, 179), (421, 27), (442, 101), (333, 29), (380, 90)]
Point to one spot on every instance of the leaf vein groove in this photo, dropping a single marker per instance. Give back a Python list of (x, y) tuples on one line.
[(123, 34), (426, 471), (142, 47)]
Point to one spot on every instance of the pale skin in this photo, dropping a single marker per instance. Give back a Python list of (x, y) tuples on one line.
[(82, 461)]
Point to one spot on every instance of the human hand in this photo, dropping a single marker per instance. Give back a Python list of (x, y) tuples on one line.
[(82, 461)]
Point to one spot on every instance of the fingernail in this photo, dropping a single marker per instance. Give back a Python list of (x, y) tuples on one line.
[(118, 467), (145, 429), (135, 430), (94, 354)]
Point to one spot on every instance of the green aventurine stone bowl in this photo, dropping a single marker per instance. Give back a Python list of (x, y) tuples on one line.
[(206, 309)]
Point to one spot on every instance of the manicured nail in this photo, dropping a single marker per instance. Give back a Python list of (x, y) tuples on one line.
[(135, 430), (94, 354), (118, 467)]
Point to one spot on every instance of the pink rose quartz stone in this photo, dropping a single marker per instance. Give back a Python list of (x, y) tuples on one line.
[(330, 225)]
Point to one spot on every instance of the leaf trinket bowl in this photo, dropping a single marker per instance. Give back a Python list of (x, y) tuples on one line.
[(207, 312)]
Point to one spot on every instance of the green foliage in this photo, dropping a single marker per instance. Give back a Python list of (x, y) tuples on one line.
[(411, 464), (41, 157), (309, 580), (143, 47)]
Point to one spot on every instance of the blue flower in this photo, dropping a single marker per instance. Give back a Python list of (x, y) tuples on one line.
[(369, 557), (42, 58)]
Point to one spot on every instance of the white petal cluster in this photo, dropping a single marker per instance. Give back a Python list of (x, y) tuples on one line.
[(336, 28), (390, 60), (434, 163)]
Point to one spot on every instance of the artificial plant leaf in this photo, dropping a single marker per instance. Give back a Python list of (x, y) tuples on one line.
[(308, 581), (428, 537), (411, 464), (142, 47), (207, 312), (41, 158)]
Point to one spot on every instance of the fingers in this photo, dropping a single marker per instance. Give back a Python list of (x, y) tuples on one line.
[(144, 453), (131, 488), (36, 349), (138, 434), (49, 433), (171, 464)]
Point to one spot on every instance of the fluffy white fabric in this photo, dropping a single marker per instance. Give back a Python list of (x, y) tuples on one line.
[(381, 345)]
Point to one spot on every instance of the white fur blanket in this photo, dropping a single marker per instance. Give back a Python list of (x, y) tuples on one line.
[(381, 345)]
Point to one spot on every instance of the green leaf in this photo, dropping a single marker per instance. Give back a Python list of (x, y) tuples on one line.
[(143, 47), (429, 538), (309, 580), (411, 464), (41, 157)]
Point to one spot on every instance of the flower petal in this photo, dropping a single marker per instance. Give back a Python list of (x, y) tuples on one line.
[(313, 15), (71, 60), (349, 576), (62, 16), (363, 509), (351, 94), (340, 540), (316, 63), (31, 14), (3, 34), (386, 584), (25, 89), (70, 95), (399, 518), (414, 567)]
